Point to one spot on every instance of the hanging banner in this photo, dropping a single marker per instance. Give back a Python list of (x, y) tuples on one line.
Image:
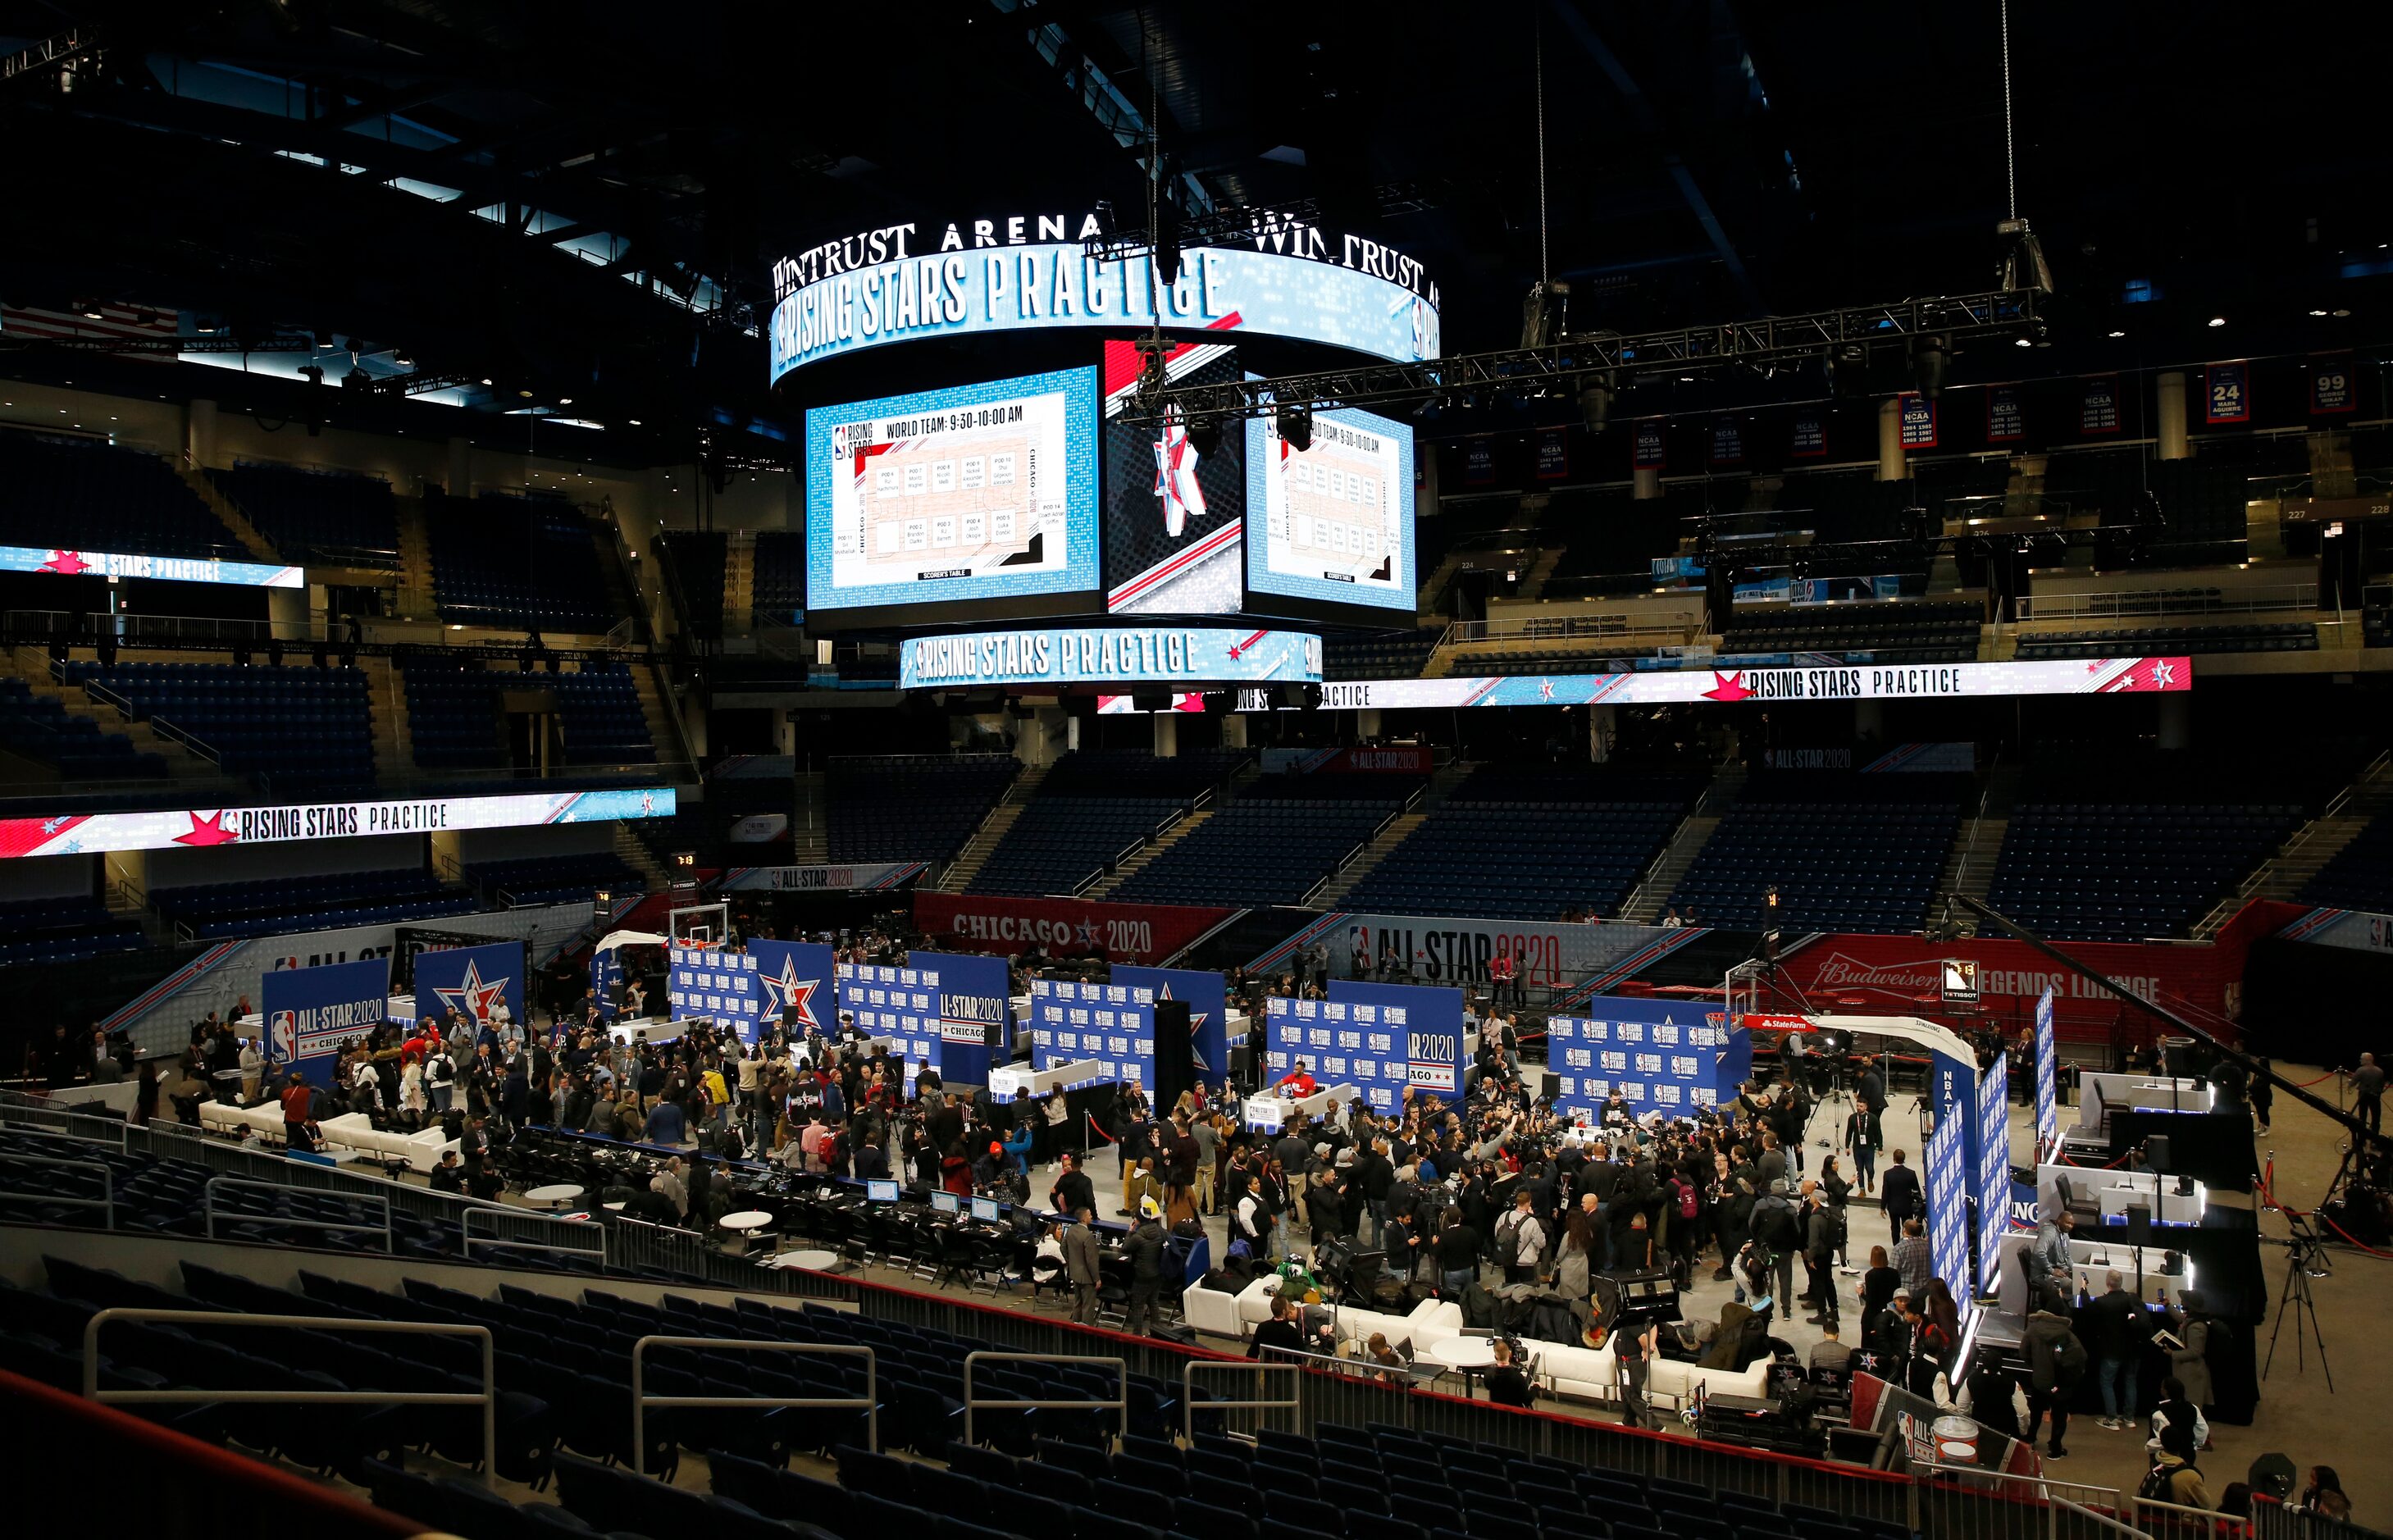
[(2005, 418), (1207, 994), (826, 879), (1123, 932), (1553, 454), (1665, 1056), (311, 1012), (2098, 406), (1646, 454), (796, 979), (1728, 442), (1479, 459), (1113, 1024), (1917, 416), (1809, 439), (2330, 386), (2227, 393), (473, 980), (2047, 1080)]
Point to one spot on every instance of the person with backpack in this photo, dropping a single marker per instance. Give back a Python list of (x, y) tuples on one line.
[(2056, 1361), (1520, 1243), (2174, 1477), (1778, 1235)]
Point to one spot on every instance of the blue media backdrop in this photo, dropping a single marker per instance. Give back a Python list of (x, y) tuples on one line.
[(974, 1010), (795, 973), (1112, 1024), (1209, 1009), (708, 980), (899, 1003), (2047, 1075), (472, 979), (1946, 1179), (1379, 1038), (1665, 1056), (1992, 1186), (311, 1011), (605, 976)]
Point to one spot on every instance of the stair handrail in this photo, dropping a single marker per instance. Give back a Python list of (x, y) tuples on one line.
[(1969, 850), (2258, 878)]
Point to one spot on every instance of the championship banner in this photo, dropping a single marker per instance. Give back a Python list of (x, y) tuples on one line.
[(1124, 932), (2227, 393), (1893, 975), (721, 986), (1192, 654), (1808, 438), (1917, 417), (975, 998), (86, 833), (898, 1003), (1111, 1024), (475, 980), (2047, 1080), (183, 569), (311, 1012), (2098, 407), (1665, 1056), (1647, 453), (853, 878), (1479, 459), (1207, 997), (1553, 454), (2331, 381), (2005, 415), (1728, 442), (1889, 682), (1990, 1145), (795, 977), (1379, 1038)]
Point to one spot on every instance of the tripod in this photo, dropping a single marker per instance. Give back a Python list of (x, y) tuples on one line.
[(2306, 1260)]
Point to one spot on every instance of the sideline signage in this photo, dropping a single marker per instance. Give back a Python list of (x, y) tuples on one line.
[(183, 569), (853, 877), (1124, 932), (908, 282), (1851, 682), (90, 833), (1161, 654)]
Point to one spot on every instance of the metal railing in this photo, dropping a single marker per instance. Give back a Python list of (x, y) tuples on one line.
[(1120, 1401), (1558, 628), (530, 1227), (22, 1112), (870, 1403), (488, 1400), (1956, 1502), (2130, 605), (1292, 1402), (105, 1203), (208, 1206), (2166, 1521), (633, 1244)]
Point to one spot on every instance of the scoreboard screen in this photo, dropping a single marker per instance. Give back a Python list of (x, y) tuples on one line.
[(979, 493), (1175, 501), (1332, 523)]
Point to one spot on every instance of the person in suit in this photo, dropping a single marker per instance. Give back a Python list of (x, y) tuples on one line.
[(1073, 1191), (1899, 1190)]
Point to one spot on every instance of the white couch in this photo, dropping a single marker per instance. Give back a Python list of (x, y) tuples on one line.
[(356, 1131), (224, 1117)]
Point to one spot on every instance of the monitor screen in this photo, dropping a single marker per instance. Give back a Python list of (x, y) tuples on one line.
[(946, 1202), (880, 1191), (985, 1209), (979, 493), (1331, 522)]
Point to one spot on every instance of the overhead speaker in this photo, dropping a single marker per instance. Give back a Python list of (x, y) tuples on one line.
[(1930, 352), (1848, 364), (1595, 402)]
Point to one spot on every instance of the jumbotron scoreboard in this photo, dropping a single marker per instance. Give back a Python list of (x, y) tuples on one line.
[(1337, 514)]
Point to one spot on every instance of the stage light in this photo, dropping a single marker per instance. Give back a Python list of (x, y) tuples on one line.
[(1205, 437), (1929, 353), (2218, 320), (2118, 333), (2022, 342), (2318, 312), (1296, 428), (1595, 402)]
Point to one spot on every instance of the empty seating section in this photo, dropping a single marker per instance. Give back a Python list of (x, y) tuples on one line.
[(1368, 657), (780, 591), (2110, 870), (103, 498), (1959, 488), (39, 728), (1898, 630), (294, 904), (295, 728), (323, 515), (1528, 842), (516, 563), (552, 878), (1275, 843), (694, 560), (1845, 853), (1845, 505), (63, 930), (1533, 661), (907, 807), (455, 710), (2169, 640), (1061, 843), (2359, 876)]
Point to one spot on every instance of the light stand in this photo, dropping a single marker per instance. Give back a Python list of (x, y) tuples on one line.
[(2306, 1260)]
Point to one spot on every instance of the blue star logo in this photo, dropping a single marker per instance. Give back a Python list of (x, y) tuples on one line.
[(786, 990)]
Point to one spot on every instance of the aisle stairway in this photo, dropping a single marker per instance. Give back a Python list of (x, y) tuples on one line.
[(809, 830), (228, 513), (1105, 886), (416, 598), (1333, 891), (740, 581), (2312, 846), (993, 830), (1644, 906), (1977, 849)]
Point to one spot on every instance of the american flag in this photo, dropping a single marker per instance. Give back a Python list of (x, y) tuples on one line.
[(136, 321)]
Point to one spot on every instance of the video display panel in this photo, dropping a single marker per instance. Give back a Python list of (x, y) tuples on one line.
[(1175, 505), (978, 492), (1332, 523)]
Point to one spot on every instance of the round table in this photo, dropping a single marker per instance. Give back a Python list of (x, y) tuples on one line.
[(813, 1261), (555, 1196), (744, 1224), (1464, 1355)]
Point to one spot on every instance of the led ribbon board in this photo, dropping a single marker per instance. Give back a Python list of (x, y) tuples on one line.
[(1355, 294), (88, 833), (185, 569), (1140, 654), (1835, 682)]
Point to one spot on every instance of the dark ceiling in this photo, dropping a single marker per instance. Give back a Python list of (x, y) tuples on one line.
[(642, 166)]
